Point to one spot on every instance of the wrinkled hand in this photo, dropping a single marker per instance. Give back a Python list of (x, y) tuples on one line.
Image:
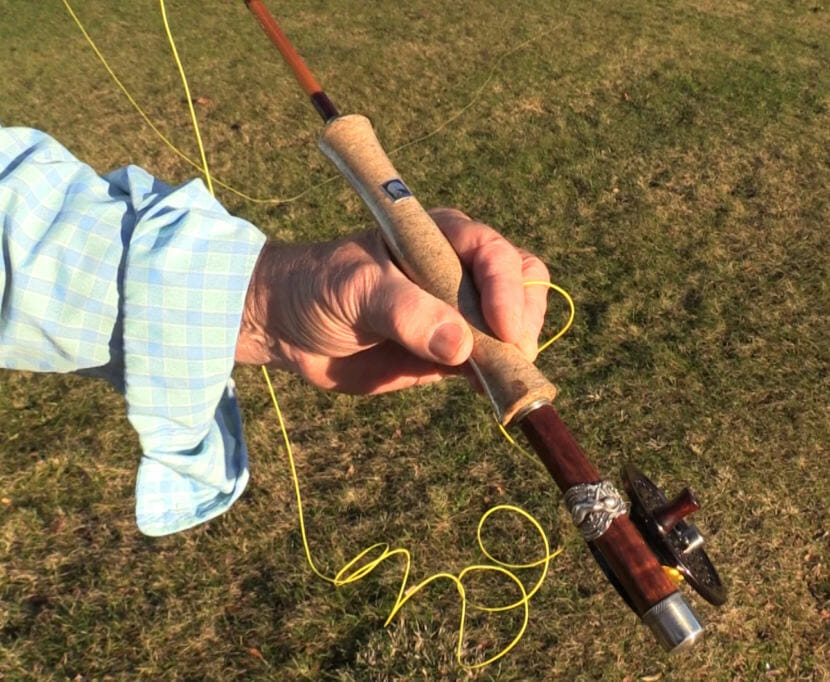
[(343, 315)]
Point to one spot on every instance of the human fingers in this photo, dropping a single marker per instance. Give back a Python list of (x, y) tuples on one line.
[(535, 303), (497, 269), (399, 310), (381, 368)]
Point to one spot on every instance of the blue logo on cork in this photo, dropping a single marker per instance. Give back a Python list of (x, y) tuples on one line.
[(396, 190)]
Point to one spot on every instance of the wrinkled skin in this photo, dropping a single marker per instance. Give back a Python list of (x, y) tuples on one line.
[(342, 314)]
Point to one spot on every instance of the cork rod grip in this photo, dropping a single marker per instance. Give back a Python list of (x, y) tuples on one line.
[(512, 383)]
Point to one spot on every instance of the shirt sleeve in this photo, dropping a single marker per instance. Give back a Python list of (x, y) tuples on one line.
[(127, 278)]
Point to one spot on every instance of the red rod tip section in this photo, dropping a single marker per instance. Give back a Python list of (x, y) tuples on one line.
[(295, 62)]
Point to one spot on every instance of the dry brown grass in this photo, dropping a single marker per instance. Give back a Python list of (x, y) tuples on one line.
[(669, 161)]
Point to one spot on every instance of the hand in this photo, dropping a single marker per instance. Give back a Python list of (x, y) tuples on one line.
[(343, 315)]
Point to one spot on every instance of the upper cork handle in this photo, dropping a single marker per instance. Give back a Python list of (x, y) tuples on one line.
[(513, 384)]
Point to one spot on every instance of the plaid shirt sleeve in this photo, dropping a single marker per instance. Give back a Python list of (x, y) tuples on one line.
[(127, 278)]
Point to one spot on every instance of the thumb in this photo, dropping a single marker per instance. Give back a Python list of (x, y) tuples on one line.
[(426, 326)]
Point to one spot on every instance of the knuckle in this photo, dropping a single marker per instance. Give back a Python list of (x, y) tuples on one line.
[(359, 280), (499, 254), (535, 268)]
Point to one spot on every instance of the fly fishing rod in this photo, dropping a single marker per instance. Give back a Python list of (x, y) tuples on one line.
[(632, 548)]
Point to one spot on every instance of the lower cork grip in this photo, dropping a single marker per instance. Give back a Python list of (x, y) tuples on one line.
[(512, 383)]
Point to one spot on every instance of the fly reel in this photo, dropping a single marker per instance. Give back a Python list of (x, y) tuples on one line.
[(676, 543)]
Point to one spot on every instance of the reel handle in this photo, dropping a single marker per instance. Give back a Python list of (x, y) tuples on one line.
[(672, 513)]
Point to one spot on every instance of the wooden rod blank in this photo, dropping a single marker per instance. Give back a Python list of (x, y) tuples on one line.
[(298, 67), (304, 77), (629, 557)]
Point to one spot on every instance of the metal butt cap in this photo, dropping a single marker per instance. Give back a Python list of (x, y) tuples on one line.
[(674, 623)]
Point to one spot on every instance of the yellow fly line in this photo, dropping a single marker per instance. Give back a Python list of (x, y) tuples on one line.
[(371, 557), (278, 200)]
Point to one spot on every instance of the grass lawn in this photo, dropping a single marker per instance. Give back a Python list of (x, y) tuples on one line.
[(669, 160)]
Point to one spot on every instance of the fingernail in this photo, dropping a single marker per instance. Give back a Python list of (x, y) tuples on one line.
[(446, 341)]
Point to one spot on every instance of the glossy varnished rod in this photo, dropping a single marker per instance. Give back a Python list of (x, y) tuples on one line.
[(518, 391), (516, 388), (298, 67), (653, 595), (631, 560)]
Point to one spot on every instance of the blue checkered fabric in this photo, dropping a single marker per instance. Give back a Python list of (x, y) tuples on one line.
[(129, 279)]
